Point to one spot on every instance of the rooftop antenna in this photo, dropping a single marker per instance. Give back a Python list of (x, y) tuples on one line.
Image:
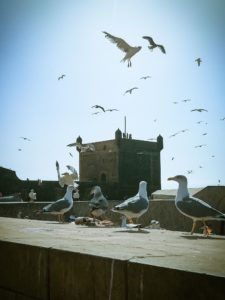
[(125, 125)]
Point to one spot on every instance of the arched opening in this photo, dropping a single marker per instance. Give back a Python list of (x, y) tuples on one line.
[(103, 178)]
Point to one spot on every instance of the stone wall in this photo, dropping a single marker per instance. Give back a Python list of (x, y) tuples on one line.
[(163, 211)]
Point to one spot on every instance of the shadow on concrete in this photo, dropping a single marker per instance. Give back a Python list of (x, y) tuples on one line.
[(196, 237), (132, 231)]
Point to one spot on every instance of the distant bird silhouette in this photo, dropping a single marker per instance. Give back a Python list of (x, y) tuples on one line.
[(145, 77), (122, 45), (199, 122), (199, 109), (111, 109), (176, 133), (25, 138), (153, 44), (204, 133), (189, 171), (175, 102), (199, 146), (199, 61), (184, 130), (130, 90), (186, 100), (222, 119), (98, 106), (61, 77), (19, 149)]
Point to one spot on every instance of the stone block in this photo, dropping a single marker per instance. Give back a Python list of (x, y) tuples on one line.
[(24, 269), (153, 282), (81, 276)]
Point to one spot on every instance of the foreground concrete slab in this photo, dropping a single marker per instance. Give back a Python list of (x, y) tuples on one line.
[(48, 260)]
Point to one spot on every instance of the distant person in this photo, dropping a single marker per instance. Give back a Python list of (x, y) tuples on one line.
[(32, 196)]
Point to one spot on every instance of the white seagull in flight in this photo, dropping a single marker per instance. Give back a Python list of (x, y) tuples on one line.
[(122, 45)]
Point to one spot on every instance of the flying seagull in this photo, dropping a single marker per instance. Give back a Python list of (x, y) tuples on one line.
[(122, 45), (153, 44), (98, 106), (194, 208), (135, 206), (25, 138), (199, 146), (82, 148), (61, 206), (186, 100), (111, 109), (199, 109), (199, 61), (145, 77), (98, 204), (66, 178), (130, 90), (61, 77)]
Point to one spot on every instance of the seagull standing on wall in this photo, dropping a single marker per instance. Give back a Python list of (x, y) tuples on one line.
[(122, 45), (98, 204), (61, 206), (135, 206), (192, 207)]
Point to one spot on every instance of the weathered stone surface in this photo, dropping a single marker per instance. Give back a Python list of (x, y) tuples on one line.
[(48, 260), (84, 276), (24, 269)]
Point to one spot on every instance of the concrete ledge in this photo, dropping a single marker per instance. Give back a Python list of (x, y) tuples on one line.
[(47, 260)]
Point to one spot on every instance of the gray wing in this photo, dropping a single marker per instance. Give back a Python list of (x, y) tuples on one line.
[(98, 203), (121, 44), (150, 40), (162, 49), (135, 204), (57, 206), (197, 208)]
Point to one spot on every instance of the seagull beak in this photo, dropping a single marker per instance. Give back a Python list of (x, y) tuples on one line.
[(171, 178)]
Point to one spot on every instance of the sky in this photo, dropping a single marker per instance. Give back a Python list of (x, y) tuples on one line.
[(42, 39)]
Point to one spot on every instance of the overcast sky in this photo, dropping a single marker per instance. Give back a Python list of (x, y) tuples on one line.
[(43, 39)]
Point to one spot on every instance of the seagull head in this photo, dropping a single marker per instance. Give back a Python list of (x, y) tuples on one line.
[(96, 190), (143, 189), (179, 179)]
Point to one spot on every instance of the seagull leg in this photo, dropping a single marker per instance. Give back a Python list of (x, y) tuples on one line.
[(193, 227), (206, 230)]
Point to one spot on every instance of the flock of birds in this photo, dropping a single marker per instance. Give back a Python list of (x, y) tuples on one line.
[(134, 207), (137, 205)]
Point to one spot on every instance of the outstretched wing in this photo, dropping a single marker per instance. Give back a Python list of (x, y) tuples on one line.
[(162, 49), (121, 44), (150, 40)]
